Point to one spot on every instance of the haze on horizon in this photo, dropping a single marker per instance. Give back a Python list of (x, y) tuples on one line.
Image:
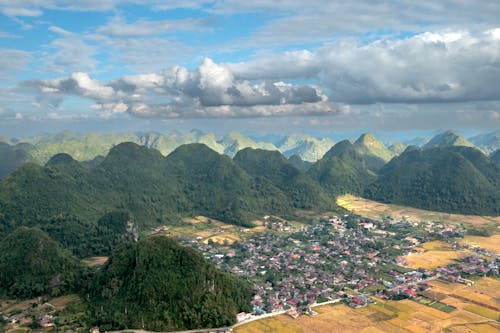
[(257, 67)]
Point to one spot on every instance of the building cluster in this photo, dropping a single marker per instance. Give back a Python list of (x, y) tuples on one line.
[(344, 258)]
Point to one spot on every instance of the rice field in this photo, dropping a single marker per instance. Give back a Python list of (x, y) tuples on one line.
[(436, 254), (491, 243), (376, 210), (405, 316)]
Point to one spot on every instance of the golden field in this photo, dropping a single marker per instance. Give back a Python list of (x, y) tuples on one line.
[(406, 316), (436, 254), (491, 243), (376, 210)]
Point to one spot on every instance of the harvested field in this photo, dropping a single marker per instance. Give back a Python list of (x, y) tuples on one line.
[(483, 311), (491, 243), (376, 210), (436, 254), (223, 238), (397, 316)]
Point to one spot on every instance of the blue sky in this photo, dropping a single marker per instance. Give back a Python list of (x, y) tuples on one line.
[(310, 66)]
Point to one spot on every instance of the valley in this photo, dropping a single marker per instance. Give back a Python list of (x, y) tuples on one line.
[(255, 234)]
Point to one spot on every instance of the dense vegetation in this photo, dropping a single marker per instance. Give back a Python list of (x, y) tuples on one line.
[(449, 138), (373, 152), (451, 179), (342, 170), (136, 184), (11, 158), (273, 168), (67, 199), (160, 285), (32, 264), (495, 157)]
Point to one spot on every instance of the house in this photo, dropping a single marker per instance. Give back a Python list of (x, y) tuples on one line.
[(242, 316)]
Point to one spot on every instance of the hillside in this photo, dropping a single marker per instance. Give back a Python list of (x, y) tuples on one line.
[(234, 142), (306, 147), (157, 284), (374, 153), (449, 138), (11, 158), (487, 142), (32, 264), (342, 170), (67, 199), (495, 157), (274, 168), (452, 179)]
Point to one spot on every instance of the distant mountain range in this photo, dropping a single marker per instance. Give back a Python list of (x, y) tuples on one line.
[(85, 147)]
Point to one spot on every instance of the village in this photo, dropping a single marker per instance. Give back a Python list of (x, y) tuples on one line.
[(346, 259)]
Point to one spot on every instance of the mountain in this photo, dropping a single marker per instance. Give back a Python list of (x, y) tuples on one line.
[(272, 166), (397, 148), (68, 199), (495, 157), (449, 179), (213, 184), (166, 143), (417, 142), (300, 164), (489, 142), (372, 151), (157, 284), (32, 264), (306, 147), (80, 147), (448, 139), (234, 142), (11, 158), (342, 170)]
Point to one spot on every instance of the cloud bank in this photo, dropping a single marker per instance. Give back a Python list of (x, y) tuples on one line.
[(450, 66), (211, 90)]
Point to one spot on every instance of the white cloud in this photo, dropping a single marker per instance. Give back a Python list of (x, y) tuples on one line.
[(70, 53), (60, 31), (17, 11), (448, 66), (118, 27), (210, 91), (13, 61)]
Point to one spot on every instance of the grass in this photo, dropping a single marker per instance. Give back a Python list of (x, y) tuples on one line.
[(442, 307)]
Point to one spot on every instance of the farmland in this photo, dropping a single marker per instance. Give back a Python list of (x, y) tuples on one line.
[(491, 243), (376, 210), (436, 254), (400, 316)]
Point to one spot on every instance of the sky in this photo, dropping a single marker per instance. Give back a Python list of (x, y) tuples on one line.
[(261, 66)]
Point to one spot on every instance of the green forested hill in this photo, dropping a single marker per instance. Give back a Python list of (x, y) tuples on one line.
[(11, 158), (495, 157), (32, 264), (374, 153), (449, 138), (160, 285), (273, 167), (342, 170), (65, 198), (451, 179)]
